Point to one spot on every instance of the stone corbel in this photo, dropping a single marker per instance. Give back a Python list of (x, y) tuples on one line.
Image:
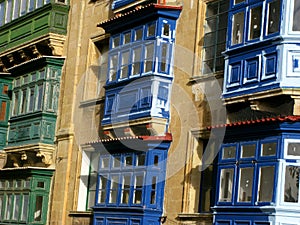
[(3, 159), (11, 58), (23, 55), (56, 46), (2, 66), (35, 51), (46, 157)]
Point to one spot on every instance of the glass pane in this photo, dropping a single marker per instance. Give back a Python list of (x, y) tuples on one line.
[(237, 28), (136, 60), (30, 5), (115, 42), (138, 34), (149, 53), (248, 151), (229, 152), (126, 38), (266, 184), (255, 22), (113, 62), (1, 206), (38, 208), (24, 101), (39, 3), (16, 211), (238, 1), (153, 191), (116, 161), (125, 189), (102, 189), (294, 149), (104, 162), (8, 206), (151, 30), (2, 12), (25, 207), (140, 160), (274, 17), (8, 11), (166, 29), (245, 184), (138, 197), (19, 184), (207, 188), (2, 184), (296, 23), (31, 99), (114, 186), (40, 96), (291, 185), (16, 9), (27, 184), (124, 65), (128, 161), (41, 184), (226, 185), (23, 7), (269, 149)]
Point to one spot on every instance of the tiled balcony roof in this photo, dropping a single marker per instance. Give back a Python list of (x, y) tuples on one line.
[(258, 121)]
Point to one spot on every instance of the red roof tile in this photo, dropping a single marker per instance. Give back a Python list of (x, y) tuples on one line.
[(262, 120)]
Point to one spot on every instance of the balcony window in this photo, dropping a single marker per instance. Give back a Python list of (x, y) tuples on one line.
[(245, 184), (237, 28), (296, 24), (12, 9), (255, 22), (291, 184), (226, 185), (215, 36), (254, 181), (266, 183), (21, 203), (273, 17), (30, 93)]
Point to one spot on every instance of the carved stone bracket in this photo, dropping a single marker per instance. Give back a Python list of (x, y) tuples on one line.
[(48, 45), (46, 157), (30, 155)]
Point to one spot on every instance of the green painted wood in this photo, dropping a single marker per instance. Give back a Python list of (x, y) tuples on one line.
[(51, 18)]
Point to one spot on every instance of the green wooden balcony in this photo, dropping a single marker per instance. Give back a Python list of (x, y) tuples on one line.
[(50, 18)]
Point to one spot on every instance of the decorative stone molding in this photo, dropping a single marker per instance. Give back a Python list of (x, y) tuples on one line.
[(3, 159), (30, 155), (50, 45)]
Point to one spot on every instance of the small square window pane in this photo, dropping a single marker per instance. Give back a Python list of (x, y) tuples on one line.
[(104, 163), (269, 149), (127, 38), (255, 22), (294, 149), (237, 28), (138, 35), (128, 160), (116, 161), (266, 183), (115, 42), (245, 184), (226, 185), (248, 151), (229, 152), (140, 160), (151, 30), (291, 185)]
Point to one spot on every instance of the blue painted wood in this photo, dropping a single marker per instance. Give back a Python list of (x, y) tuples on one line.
[(266, 155), (268, 61)]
